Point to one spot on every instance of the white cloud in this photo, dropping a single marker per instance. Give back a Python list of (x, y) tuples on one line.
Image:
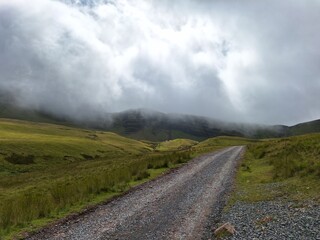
[(250, 62)]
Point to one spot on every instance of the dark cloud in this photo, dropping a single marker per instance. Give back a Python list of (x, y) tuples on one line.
[(248, 61)]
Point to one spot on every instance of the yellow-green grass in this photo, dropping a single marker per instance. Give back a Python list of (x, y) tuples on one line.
[(52, 194), (53, 185), (20, 230), (176, 144), (49, 170), (217, 143), (55, 141), (287, 168)]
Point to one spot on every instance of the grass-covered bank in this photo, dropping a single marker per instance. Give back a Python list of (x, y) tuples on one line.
[(54, 196), (20, 230), (47, 171), (287, 168), (213, 144)]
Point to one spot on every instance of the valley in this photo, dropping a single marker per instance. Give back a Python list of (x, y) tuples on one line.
[(48, 171), (159, 120), (146, 124)]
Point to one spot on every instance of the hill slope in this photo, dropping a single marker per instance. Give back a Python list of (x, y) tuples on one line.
[(48, 169), (156, 126), (304, 128), (57, 142)]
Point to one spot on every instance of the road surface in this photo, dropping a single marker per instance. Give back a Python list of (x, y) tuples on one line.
[(180, 205)]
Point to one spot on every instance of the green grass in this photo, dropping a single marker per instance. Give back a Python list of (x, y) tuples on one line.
[(33, 225), (217, 143), (305, 128), (54, 141), (287, 168), (176, 144), (48, 170)]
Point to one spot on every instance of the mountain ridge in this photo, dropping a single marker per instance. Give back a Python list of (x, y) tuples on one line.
[(148, 124)]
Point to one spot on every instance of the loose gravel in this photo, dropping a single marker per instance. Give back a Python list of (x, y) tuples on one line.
[(278, 220), (178, 205)]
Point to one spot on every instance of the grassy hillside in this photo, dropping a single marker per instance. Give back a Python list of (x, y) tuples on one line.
[(287, 168), (220, 142), (305, 128), (176, 144), (54, 142), (156, 126), (46, 169), (154, 134)]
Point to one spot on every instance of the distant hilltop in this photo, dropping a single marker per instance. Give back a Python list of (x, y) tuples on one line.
[(146, 124)]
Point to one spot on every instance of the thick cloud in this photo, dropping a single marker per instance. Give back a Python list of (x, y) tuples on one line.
[(250, 61)]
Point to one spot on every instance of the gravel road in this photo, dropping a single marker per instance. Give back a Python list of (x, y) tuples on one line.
[(178, 205), (274, 220)]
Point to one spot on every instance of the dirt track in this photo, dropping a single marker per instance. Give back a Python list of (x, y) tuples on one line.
[(180, 205)]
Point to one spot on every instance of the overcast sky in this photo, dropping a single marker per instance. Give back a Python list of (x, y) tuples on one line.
[(248, 61)]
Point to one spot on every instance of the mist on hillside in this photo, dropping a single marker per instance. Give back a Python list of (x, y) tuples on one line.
[(239, 62)]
